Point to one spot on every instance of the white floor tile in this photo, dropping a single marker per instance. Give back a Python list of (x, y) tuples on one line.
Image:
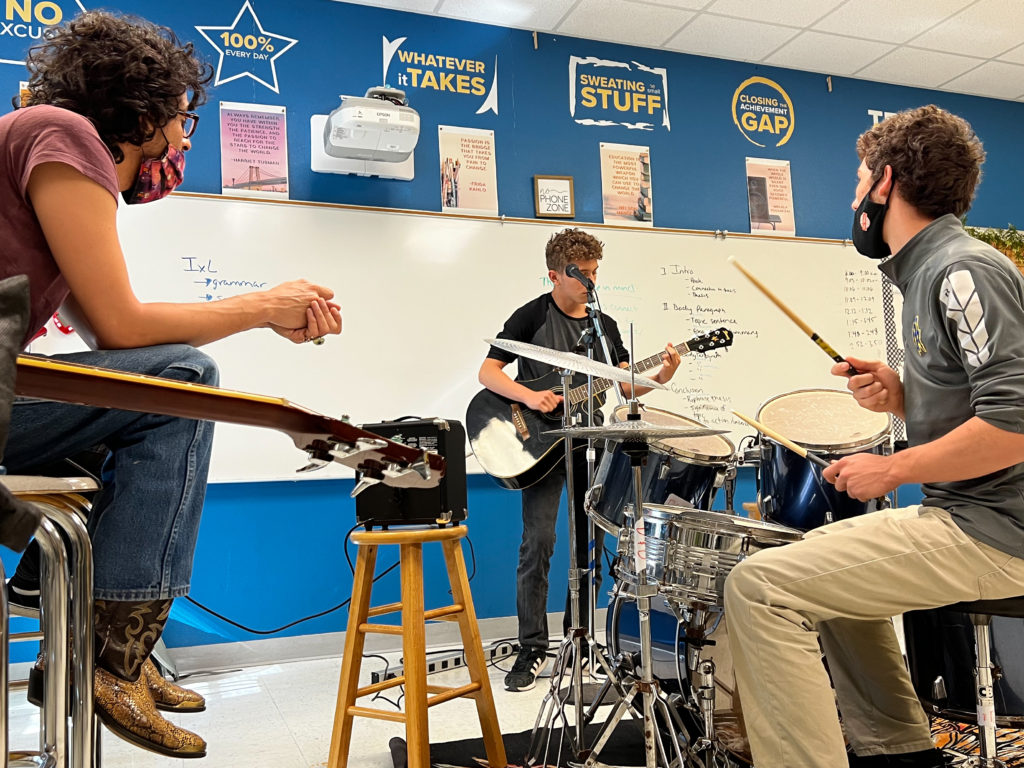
[(281, 715)]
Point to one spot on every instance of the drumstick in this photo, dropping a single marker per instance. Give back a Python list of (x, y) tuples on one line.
[(792, 315), (797, 449)]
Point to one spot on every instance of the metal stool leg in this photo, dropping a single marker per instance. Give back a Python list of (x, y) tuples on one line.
[(63, 513), (54, 587), (985, 694)]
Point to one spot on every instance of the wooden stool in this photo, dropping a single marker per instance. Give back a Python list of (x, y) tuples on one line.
[(412, 630)]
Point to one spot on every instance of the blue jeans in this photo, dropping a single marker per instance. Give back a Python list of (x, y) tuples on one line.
[(540, 512), (145, 521)]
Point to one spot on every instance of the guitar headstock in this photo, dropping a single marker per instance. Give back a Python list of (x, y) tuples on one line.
[(716, 339)]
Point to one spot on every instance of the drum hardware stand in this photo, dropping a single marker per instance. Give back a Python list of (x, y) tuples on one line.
[(653, 698), (699, 623), (553, 705)]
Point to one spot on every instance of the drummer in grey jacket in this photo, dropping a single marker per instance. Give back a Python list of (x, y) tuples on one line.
[(962, 397)]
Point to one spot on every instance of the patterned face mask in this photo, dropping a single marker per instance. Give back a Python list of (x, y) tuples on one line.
[(158, 176)]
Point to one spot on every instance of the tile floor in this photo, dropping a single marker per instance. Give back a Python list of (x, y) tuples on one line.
[(280, 716)]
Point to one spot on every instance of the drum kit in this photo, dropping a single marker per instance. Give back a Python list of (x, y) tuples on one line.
[(666, 661), (653, 491)]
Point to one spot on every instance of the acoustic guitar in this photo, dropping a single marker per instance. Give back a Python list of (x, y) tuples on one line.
[(507, 437), (324, 439)]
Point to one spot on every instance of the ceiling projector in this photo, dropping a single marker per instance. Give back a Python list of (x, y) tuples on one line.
[(380, 126)]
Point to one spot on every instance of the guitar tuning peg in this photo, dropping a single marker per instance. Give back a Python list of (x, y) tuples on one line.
[(364, 482), (318, 459)]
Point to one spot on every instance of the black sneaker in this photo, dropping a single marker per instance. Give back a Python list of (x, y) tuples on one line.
[(23, 586), (529, 664)]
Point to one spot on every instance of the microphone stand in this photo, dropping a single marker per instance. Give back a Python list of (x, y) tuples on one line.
[(594, 313)]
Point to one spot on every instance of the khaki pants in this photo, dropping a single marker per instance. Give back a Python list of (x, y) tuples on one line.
[(840, 585)]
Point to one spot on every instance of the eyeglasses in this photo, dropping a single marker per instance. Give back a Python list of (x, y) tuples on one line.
[(191, 123)]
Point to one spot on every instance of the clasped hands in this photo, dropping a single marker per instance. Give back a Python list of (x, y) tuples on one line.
[(301, 311)]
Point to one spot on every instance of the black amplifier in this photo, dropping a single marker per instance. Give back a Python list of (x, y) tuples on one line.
[(381, 505)]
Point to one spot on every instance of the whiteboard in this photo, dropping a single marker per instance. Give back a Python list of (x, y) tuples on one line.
[(419, 293)]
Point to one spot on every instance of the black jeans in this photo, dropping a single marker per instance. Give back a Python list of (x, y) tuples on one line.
[(540, 512)]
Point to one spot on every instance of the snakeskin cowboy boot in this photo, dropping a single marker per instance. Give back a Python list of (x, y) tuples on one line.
[(125, 635), (168, 696)]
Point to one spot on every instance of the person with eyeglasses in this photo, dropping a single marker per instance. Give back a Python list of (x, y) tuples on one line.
[(109, 114)]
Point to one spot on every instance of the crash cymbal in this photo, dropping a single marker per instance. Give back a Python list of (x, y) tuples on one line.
[(635, 432), (577, 363)]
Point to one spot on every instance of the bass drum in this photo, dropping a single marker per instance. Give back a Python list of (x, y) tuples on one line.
[(941, 657), (669, 646), (690, 469), (828, 423)]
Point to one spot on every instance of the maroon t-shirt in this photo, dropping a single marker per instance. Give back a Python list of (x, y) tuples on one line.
[(29, 137)]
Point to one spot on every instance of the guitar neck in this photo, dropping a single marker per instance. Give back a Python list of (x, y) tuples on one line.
[(103, 388), (579, 394)]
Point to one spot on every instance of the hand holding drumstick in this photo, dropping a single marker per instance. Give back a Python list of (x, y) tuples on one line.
[(875, 386)]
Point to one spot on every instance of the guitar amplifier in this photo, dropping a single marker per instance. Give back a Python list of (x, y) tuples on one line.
[(384, 506)]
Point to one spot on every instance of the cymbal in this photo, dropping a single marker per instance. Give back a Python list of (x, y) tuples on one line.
[(634, 432), (573, 362)]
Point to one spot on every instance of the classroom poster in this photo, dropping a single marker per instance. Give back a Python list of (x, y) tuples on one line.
[(606, 92), (626, 185), (253, 150), (469, 173), (770, 197)]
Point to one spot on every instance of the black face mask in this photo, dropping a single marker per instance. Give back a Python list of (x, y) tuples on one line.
[(867, 227)]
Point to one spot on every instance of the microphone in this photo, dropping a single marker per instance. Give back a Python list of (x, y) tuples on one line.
[(573, 271)]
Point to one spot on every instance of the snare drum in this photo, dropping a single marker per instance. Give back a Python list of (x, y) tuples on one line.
[(690, 468), (830, 424), (688, 553)]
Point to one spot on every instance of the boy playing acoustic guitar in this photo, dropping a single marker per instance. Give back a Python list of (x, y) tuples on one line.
[(555, 320)]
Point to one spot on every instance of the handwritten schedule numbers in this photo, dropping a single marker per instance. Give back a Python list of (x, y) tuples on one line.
[(862, 300)]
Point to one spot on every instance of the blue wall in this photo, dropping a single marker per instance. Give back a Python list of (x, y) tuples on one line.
[(272, 552), (697, 164)]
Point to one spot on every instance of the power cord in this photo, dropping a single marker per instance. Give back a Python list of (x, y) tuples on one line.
[(244, 628), (337, 607)]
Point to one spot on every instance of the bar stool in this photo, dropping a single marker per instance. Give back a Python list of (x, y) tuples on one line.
[(66, 586), (981, 613), (412, 630)]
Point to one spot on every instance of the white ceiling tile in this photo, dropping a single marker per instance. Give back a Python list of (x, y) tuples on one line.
[(520, 14), (416, 6), (828, 54), (624, 22), (985, 29), (913, 66), (993, 79), (1016, 56), (797, 13), (854, 37), (893, 21), (727, 38)]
